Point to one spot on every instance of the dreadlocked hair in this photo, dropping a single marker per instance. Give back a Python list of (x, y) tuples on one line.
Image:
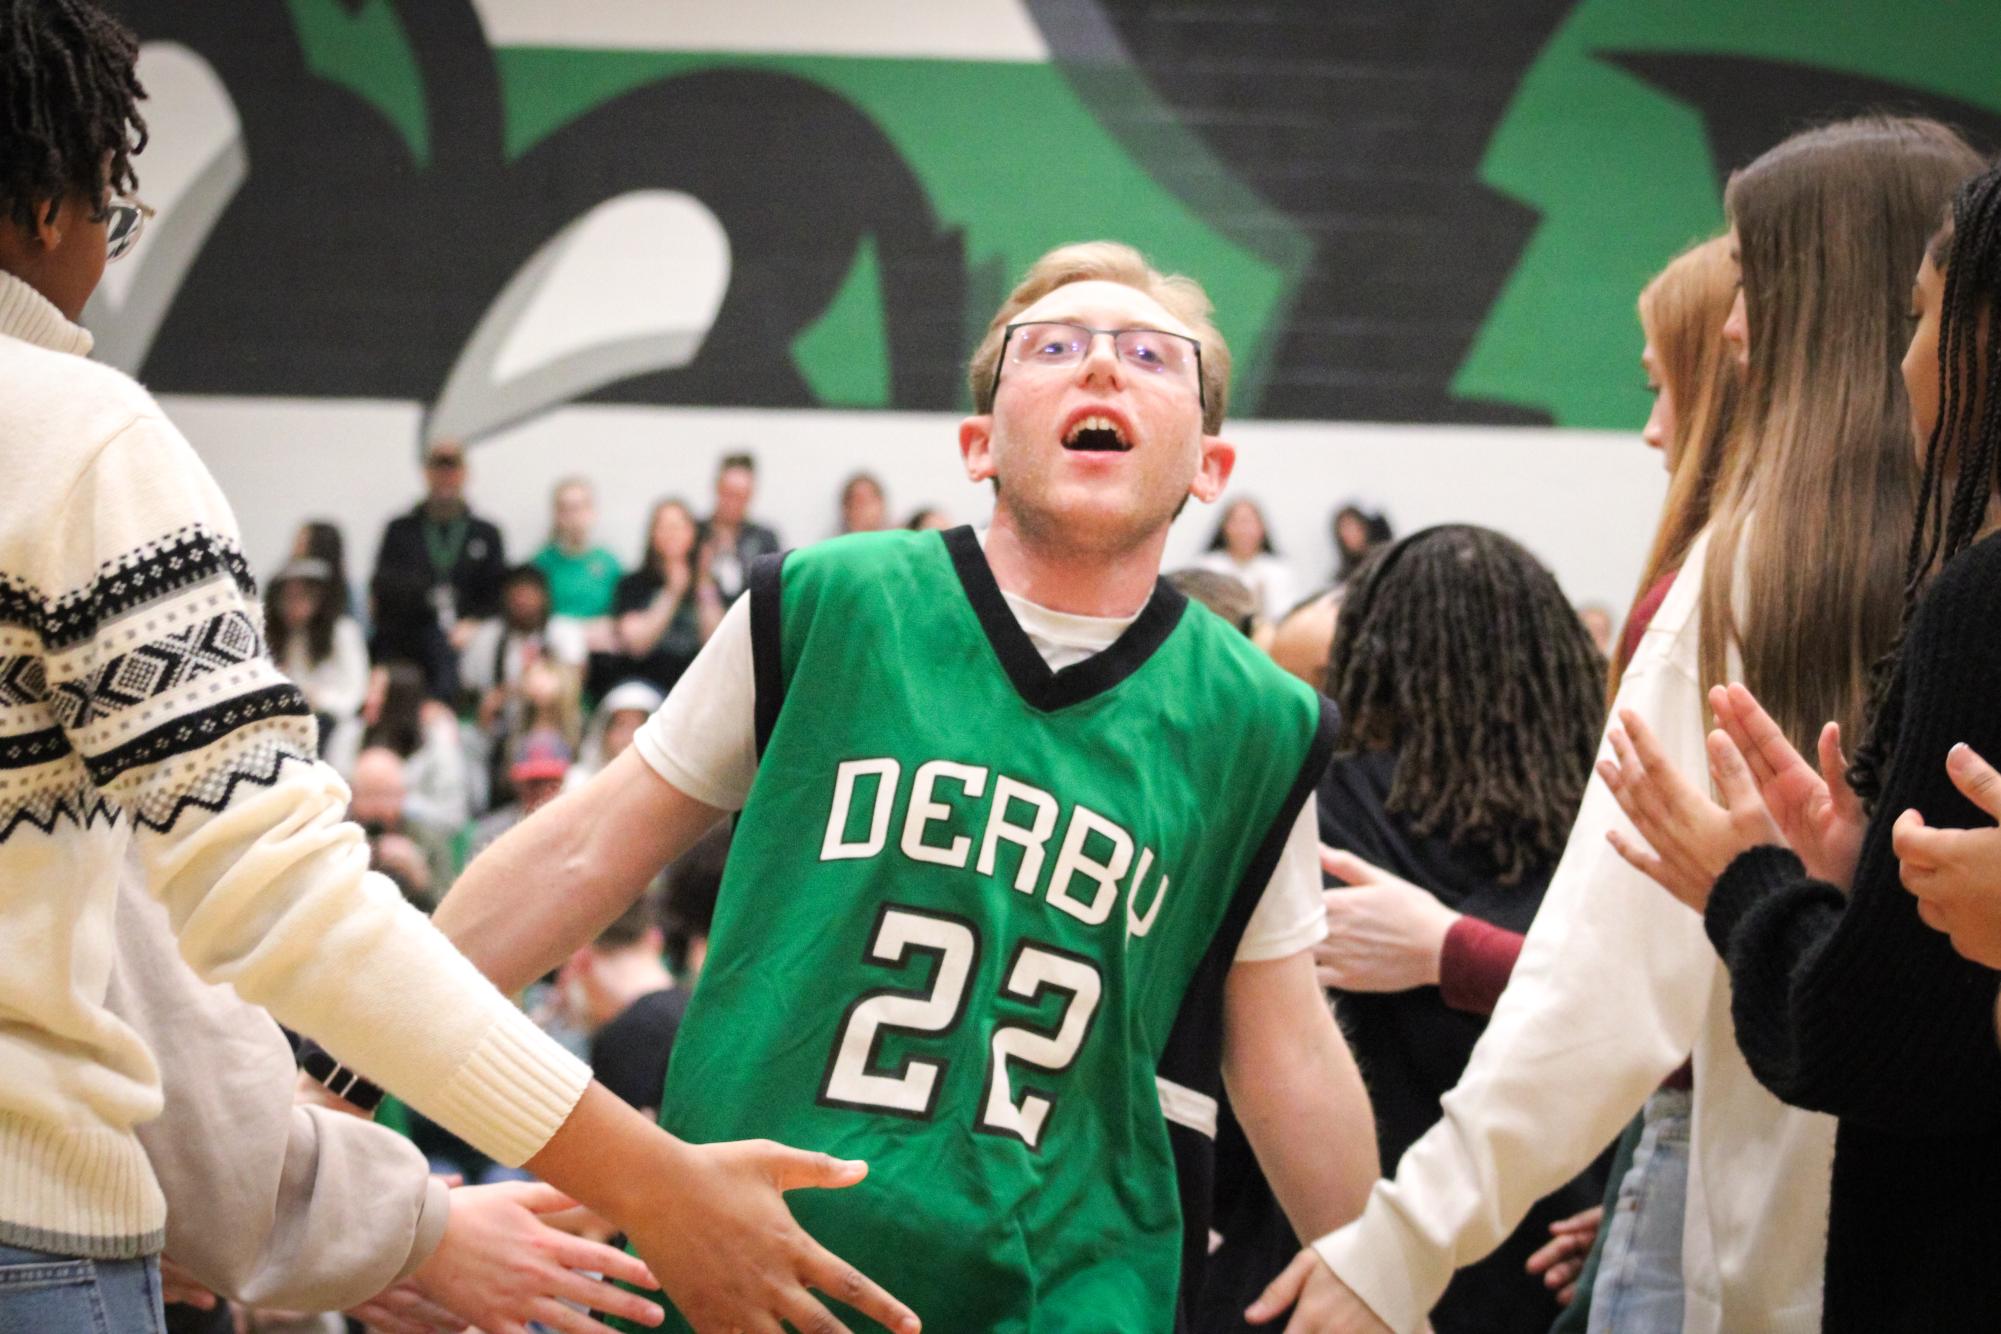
[(69, 101), (1457, 650), (1965, 440)]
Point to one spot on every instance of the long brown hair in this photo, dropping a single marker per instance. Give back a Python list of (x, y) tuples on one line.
[(1830, 226), (1682, 313)]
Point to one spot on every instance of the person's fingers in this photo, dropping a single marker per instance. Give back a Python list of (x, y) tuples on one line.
[(1834, 772), (602, 1295), (1330, 979), (414, 1308), (1586, 1221), (1974, 777), (1283, 1291), (803, 1312), (851, 1287), (1567, 1296), (1640, 857), (1933, 916), (1347, 867), (805, 1169), (581, 1253), (1733, 777), (539, 1197), (548, 1313), (1919, 847), (1763, 732)]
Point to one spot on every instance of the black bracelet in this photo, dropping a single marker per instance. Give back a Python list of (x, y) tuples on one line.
[(340, 1081)]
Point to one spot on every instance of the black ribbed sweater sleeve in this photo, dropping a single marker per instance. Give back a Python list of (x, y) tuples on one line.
[(1854, 1006)]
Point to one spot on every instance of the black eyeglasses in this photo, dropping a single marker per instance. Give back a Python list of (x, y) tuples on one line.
[(124, 220), (1174, 356)]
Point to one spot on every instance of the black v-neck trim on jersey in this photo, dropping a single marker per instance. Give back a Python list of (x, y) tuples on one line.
[(1039, 687)]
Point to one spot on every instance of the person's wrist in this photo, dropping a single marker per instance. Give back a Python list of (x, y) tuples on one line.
[(1434, 963)]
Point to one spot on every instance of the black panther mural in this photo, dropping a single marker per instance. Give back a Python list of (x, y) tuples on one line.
[(342, 268)]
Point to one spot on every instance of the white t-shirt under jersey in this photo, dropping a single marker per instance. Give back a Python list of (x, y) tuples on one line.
[(703, 740)]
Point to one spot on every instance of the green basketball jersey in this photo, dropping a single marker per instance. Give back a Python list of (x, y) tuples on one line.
[(967, 902)]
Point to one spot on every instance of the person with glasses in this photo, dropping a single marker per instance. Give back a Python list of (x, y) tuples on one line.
[(1024, 858), (145, 733)]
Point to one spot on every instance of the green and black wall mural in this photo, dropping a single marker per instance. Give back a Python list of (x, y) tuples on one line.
[(1407, 210)]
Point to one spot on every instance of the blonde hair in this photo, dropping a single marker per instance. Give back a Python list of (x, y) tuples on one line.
[(1111, 262), (1682, 312)]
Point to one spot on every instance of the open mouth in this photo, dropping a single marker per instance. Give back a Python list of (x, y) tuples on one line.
[(1096, 435)]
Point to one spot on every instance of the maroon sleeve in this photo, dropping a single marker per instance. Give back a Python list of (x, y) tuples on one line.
[(1475, 963)]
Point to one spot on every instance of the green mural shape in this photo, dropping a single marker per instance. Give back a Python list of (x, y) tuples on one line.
[(844, 354), (1623, 177), (1005, 150), (369, 54)]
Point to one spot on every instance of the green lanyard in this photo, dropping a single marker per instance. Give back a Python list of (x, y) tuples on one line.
[(445, 543)]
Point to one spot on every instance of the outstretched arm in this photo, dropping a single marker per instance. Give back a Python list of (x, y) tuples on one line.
[(552, 882)]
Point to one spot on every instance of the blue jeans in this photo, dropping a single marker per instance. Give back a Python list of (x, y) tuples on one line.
[(60, 1294), (1639, 1288)]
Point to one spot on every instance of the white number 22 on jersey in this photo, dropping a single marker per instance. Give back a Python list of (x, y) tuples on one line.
[(853, 1077)]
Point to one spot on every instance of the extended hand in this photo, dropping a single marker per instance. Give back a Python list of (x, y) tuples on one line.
[(1383, 933), (1819, 816), (404, 1309), (1319, 1301), (1692, 838), (1956, 873), (724, 1243), (1562, 1257), (500, 1266)]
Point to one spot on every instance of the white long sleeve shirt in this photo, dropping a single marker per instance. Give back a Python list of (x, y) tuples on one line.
[(140, 718), (1616, 984)]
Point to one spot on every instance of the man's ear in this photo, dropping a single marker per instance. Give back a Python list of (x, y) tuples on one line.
[(51, 221), (1212, 474), (976, 446)]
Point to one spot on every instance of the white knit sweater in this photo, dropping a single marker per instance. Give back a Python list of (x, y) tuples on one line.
[(141, 719)]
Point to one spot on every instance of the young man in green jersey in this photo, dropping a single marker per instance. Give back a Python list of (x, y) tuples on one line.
[(1025, 857)]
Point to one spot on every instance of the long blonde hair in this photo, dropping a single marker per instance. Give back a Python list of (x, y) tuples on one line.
[(1830, 226), (1682, 313)]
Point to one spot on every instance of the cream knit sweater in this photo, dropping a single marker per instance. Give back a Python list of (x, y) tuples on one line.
[(140, 718)]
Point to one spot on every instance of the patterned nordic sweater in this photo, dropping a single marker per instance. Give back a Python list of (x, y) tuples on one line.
[(144, 731)]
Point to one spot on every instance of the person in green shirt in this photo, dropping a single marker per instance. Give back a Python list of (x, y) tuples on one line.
[(581, 576)]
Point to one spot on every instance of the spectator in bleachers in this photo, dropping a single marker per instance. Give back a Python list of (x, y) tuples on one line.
[(929, 518), (729, 539), (424, 736), (618, 992), (320, 647), (582, 576), (1303, 639), (668, 607), (535, 770), (502, 649), (321, 539), (693, 882), (1357, 532), (863, 506), (1226, 595), (437, 574), (618, 715), (1242, 549)]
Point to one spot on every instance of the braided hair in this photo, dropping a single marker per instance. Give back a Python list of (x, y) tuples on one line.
[(1457, 650), (69, 95), (1965, 440)]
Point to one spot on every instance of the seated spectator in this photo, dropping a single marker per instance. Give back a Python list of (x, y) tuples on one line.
[(1597, 618), (407, 865), (1450, 799), (1226, 595), (582, 575), (928, 519), (1242, 549), (320, 647), (617, 991), (502, 649), (1357, 532), (437, 574), (437, 781), (535, 771), (668, 607), (320, 539), (618, 715), (731, 542), (863, 506)]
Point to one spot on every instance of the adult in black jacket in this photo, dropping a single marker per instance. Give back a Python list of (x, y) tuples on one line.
[(437, 574), (1471, 699), (1844, 1000)]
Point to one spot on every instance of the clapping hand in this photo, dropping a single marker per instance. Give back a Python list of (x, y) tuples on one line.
[(1956, 873), (1689, 837), (1817, 814)]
